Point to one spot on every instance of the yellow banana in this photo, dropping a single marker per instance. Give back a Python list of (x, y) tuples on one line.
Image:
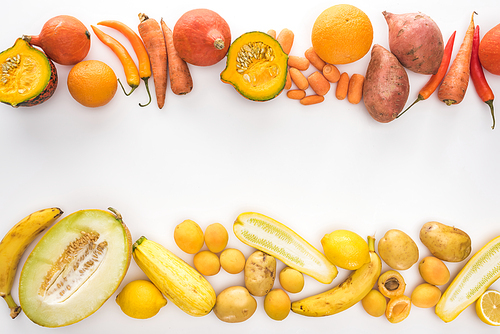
[(13, 246), (346, 294)]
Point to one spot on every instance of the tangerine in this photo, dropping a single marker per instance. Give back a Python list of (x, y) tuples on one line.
[(92, 83), (342, 34)]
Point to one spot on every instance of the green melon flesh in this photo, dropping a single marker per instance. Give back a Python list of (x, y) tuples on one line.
[(67, 277)]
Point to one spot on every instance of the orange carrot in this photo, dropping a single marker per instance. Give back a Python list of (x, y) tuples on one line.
[(355, 90), (181, 82), (288, 82), (318, 83), (296, 94), (300, 63), (315, 60), (272, 33), (152, 36), (131, 72), (331, 73), (139, 49), (298, 78), (312, 99), (454, 85), (285, 38), (342, 86)]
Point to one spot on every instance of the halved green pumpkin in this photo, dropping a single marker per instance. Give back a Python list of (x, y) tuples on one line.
[(256, 66), (27, 76), (76, 266)]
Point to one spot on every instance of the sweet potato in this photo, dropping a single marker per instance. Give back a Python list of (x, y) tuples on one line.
[(417, 42), (386, 87)]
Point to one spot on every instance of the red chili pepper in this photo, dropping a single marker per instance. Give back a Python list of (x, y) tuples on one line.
[(477, 75), (436, 79)]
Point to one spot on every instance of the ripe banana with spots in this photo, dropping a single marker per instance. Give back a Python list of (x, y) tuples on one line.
[(346, 294), (13, 246)]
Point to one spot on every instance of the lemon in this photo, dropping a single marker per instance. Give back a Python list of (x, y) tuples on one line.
[(488, 307), (140, 299), (345, 249)]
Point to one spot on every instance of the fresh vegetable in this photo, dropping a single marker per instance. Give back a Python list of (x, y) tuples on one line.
[(288, 80), (152, 36), (235, 304), (454, 85), (76, 266), (272, 33), (386, 86), (391, 284), (352, 290), (177, 280), (279, 241), (260, 273), (285, 38), (331, 73), (489, 50), (296, 94), (435, 79), (318, 83), (129, 67), (300, 63), (202, 37), (312, 99), (398, 250), (482, 270), (417, 42), (314, 59), (477, 75), (28, 77), (63, 38), (139, 49), (298, 78), (355, 89), (447, 243), (342, 86)]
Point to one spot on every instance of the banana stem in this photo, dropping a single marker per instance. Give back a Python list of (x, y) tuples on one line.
[(371, 243), (14, 308)]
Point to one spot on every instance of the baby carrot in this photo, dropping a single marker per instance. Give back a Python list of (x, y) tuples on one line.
[(312, 99), (435, 79), (454, 85), (152, 36), (272, 33), (331, 73), (315, 60), (300, 63), (296, 94), (355, 90), (285, 38), (477, 75), (318, 83), (139, 49), (131, 72), (288, 82), (298, 78), (181, 82), (342, 86)]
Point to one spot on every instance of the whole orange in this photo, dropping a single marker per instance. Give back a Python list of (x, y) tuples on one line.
[(92, 83), (342, 34)]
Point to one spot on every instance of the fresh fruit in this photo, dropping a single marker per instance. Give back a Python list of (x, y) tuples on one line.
[(291, 280), (256, 66), (391, 284), (277, 304), (447, 243), (64, 39), (207, 263), (232, 260), (76, 266), (416, 40), (279, 241), (398, 309), (482, 269), (342, 34), (345, 249), (28, 77), (489, 50), (398, 250), (176, 279), (216, 237), (260, 273), (374, 303), (201, 37), (92, 83), (188, 236), (434, 271), (488, 307), (13, 245), (425, 295), (140, 299), (353, 289), (235, 304)]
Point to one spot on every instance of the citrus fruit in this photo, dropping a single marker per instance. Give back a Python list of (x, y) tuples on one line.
[(140, 299), (92, 83), (488, 307), (342, 34), (345, 249)]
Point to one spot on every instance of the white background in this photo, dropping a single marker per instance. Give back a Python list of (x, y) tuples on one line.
[(211, 155)]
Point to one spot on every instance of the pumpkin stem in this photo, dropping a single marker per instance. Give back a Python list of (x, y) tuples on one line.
[(123, 88), (149, 94), (219, 44)]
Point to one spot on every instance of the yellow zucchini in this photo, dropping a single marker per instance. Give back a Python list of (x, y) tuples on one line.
[(176, 279)]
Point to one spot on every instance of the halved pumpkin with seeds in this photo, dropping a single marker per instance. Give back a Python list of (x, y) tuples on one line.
[(256, 66), (76, 266)]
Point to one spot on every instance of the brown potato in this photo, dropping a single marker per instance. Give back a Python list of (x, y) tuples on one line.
[(445, 242), (235, 304), (398, 250), (260, 273)]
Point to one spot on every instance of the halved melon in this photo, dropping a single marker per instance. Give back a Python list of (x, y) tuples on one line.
[(76, 266)]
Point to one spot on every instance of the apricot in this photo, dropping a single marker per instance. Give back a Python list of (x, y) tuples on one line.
[(232, 260), (374, 303), (434, 271), (277, 304), (391, 284), (398, 308), (291, 280), (216, 237), (207, 263), (425, 295), (188, 236)]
